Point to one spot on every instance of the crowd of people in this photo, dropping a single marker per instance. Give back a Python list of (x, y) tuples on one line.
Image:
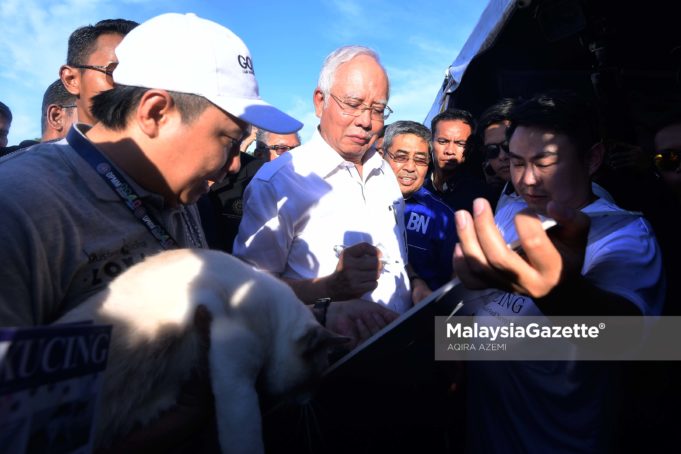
[(145, 139)]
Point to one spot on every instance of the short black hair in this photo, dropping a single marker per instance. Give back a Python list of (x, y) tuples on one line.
[(563, 112), (55, 94), (82, 41), (113, 107), (453, 115), (5, 112), (497, 113)]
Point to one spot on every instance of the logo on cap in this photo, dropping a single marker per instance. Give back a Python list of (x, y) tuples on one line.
[(246, 63)]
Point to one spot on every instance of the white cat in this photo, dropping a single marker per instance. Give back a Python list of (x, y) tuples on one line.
[(259, 330)]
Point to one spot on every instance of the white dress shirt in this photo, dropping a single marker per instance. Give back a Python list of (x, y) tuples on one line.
[(303, 207)]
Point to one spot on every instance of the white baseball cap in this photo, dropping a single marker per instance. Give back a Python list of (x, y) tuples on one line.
[(188, 54)]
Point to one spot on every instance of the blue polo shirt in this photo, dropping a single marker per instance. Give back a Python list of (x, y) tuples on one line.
[(431, 236)]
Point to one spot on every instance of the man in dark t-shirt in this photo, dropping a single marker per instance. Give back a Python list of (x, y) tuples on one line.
[(222, 208)]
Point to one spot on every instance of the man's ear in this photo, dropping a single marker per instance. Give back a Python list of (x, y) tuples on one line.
[(70, 77), (153, 111), (55, 117), (318, 100), (594, 158)]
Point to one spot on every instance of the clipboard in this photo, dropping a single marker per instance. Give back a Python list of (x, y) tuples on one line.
[(387, 395), (407, 344)]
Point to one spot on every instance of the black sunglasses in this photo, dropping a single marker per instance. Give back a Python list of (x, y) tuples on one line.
[(107, 69), (667, 160), (492, 150)]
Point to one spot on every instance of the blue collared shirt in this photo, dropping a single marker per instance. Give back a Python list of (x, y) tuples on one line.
[(431, 236)]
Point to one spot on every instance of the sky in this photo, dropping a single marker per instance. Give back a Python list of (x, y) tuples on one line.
[(288, 41)]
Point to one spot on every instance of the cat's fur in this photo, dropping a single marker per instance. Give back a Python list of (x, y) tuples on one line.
[(259, 330)]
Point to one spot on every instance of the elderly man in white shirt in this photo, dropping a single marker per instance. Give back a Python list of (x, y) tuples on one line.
[(327, 217)]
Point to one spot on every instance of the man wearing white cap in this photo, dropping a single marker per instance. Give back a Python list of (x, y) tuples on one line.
[(109, 195)]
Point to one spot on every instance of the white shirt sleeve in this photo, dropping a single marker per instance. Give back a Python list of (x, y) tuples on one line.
[(265, 236), (627, 262)]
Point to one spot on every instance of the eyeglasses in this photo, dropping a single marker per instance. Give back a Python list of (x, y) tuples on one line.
[(235, 147), (493, 150), (278, 149), (107, 69), (403, 157), (67, 106), (667, 160), (355, 108)]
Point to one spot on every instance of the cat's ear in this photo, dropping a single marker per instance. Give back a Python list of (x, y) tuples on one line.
[(321, 339)]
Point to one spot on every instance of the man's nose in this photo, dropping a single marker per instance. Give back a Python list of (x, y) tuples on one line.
[(529, 178), (410, 165), (364, 119), (233, 164)]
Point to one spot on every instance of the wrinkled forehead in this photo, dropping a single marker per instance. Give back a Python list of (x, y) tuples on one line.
[(362, 78), (282, 139), (409, 143)]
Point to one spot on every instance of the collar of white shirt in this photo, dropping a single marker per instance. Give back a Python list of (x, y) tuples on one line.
[(318, 157)]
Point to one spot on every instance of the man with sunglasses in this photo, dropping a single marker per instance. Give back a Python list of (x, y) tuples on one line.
[(431, 234), (269, 146), (491, 131), (667, 156), (495, 152), (90, 61), (327, 217)]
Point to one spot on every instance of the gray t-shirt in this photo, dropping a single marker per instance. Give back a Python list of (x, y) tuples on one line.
[(65, 233)]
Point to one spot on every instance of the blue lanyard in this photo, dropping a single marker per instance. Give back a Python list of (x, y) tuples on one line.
[(120, 186)]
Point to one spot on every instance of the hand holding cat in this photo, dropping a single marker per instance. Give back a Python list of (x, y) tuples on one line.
[(357, 272)]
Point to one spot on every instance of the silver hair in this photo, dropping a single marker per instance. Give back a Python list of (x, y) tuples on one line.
[(399, 128), (262, 136), (335, 59)]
